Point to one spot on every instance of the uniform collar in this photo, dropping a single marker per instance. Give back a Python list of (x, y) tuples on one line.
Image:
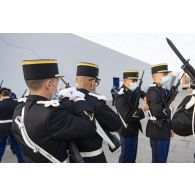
[(83, 91), (126, 89), (36, 98), (159, 86)]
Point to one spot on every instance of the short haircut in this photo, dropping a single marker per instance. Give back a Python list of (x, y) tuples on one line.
[(84, 79), (35, 84)]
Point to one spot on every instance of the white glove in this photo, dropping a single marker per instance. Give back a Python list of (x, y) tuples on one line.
[(77, 96), (66, 93), (72, 94), (121, 91)]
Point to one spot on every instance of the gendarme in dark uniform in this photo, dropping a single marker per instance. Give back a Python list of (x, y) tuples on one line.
[(47, 122), (91, 146), (182, 123), (7, 107), (104, 115), (130, 117), (159, 124)]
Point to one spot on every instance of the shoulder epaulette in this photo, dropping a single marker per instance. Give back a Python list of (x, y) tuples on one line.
[(153, 85), (54, 103), (121, 91), (22, 99), (98, 96)]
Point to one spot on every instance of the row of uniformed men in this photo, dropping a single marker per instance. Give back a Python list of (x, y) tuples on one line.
[(160, 126), (45, 128)]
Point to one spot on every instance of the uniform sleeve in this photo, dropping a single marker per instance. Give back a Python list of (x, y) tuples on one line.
[(106, 117), (64, 125), (84, 108), (125, 111), (155, 105), (182, 119)]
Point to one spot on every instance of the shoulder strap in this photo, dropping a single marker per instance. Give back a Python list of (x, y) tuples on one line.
[(36, 149)]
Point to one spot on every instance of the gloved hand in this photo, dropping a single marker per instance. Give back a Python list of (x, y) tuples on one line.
[(77, 96), (66, 93), (72, 94)]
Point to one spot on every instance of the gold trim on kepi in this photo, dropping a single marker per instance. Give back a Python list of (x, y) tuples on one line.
[(162, 64), (160, 68), (132, 78), (88, 70), (131, 71), (164, 71), (40, 69), (88, 64), (30, 62), (130, 74)]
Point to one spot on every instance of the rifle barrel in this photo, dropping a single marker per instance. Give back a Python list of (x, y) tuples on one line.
[(67, 84), (186, 66), (1, 83), (176, 51), (24, 93)]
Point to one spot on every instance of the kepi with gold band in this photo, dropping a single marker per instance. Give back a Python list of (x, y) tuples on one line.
[(40, 69), (160, 68), (88, 69), (131, 74)]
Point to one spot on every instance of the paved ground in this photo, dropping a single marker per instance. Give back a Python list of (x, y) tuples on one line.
[(181, 150)]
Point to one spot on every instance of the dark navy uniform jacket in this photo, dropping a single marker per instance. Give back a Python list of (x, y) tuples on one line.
[(52, 128), (7, 107), (182, 119), (108, 120), (123, 103), (160, 128)]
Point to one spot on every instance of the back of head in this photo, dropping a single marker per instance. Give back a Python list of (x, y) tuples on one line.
[(83, 82), (4, 92), (35, 84)]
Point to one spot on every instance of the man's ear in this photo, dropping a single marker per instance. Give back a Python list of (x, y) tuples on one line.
[(47, 84), (92, 83)]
